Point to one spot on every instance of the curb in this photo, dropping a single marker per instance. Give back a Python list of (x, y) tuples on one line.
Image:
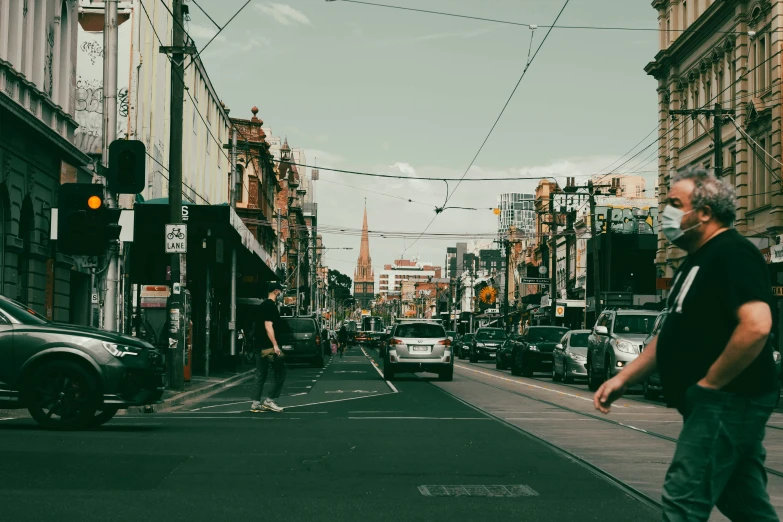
[(181, 398)]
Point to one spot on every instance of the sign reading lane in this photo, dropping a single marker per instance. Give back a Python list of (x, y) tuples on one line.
[(177, 239)]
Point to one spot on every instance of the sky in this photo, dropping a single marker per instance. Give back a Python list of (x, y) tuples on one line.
[(389, 91)]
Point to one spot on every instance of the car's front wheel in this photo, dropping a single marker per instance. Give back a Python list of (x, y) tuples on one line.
[(516, 363), (104, 416), (63, 395)]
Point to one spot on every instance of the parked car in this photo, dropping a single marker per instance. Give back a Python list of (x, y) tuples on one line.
[(651, 387), (300, 340), (486, 343), (419, 346), (463, 346), (570, 356), (503, 357), (72, 377), (615, 341), (532, 351)]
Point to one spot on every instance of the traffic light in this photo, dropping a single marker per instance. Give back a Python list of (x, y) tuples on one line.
[(84, 224), (127, 167)]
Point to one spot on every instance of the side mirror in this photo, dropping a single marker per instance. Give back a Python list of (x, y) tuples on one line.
[(601, 330), (558, 346)]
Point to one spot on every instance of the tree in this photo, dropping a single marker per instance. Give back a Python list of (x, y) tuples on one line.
[(341, 285)]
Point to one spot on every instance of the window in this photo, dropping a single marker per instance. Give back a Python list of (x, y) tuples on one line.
[(634, 324), (545, 334), (579, 340), (685, 15), (762, 62), (240, 183), (490, 334), (420, 330), (760, 189)]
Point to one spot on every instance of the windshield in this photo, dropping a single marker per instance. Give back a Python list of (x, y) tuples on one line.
[(372, 324), (546, 334), (634, 324), (579, 340), (298, 326), (468, 337), (420, 331), (21, 313), (494, 334)]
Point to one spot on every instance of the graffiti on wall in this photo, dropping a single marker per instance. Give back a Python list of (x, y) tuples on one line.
[(628, 220)]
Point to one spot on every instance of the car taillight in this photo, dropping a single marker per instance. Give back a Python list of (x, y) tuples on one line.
[(447, 342), (395, 341), (317, 340)]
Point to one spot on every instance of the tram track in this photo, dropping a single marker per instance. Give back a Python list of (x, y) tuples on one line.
[(599, 418)]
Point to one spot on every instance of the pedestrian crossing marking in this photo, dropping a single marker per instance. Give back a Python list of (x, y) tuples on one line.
[(507, 491)]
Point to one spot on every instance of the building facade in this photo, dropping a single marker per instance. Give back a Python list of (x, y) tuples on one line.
[(628, 185), (38, 59), (364, 276), (392, 276), (727, 56)]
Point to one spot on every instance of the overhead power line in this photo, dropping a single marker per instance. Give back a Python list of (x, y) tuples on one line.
[(527, 24)]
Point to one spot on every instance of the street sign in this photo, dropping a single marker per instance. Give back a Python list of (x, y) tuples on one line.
[(177, 239), (560, 311), (536, 280)]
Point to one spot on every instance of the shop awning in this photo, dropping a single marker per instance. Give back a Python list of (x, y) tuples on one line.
[(212, 230)]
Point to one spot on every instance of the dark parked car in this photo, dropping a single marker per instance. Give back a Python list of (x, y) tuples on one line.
[(300, 340), (486, 343), (72, 377), (532, 351), (652, 384), (462, 349), (503, 357)]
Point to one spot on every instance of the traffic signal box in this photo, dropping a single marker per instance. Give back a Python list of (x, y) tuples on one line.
[(127, 167), (85, 225)]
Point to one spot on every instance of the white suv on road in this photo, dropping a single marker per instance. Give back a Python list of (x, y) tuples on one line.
[(419, 346)]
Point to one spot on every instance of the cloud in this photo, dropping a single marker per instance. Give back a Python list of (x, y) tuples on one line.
[(283, 14), (202, 32)]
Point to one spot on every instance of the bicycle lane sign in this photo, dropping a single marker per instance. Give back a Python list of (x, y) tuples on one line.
[(177, 239)]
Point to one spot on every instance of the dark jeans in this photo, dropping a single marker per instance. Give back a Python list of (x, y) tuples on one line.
[(262, 370), (719, 460)]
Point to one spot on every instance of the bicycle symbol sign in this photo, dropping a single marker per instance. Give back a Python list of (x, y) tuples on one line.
[(177, 239)]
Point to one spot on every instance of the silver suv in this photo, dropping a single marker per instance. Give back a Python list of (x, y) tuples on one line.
[(615, 341), (419, 346)]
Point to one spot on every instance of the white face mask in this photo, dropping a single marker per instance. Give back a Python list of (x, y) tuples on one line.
[(671, 223)]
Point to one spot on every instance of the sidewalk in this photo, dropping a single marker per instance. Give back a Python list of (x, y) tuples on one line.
[(198, 386)]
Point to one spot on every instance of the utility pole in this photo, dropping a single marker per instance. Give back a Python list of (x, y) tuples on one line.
[(717, 113), (110, 38), (176, 303), (506, 322), (553, 258), (594, 235), (232, 321)]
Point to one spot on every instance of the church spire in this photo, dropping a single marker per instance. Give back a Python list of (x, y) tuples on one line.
[(364, 277)]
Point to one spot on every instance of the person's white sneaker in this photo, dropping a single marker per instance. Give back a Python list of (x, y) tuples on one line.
[(256, 407), (270, 405)]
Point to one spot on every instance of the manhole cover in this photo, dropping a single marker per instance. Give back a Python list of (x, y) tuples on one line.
[(514, 490)]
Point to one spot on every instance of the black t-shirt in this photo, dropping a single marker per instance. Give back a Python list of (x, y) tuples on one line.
[(708, 290), (267, 312)]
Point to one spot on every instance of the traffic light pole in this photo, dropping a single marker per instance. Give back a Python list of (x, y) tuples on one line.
[(594, 236), (553, 257), (175, 356)]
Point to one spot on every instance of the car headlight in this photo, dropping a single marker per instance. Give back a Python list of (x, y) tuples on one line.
[(576, 356), (626, 346), (479, 345), (533, 347), (776, 356), (119, 350)]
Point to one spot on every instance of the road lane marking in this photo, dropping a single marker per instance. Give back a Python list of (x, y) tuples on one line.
[(588, 399), (338, 400), (375, 365)]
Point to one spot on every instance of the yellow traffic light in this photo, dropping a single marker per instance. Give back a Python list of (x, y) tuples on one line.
[(496, 211), (94, 202)]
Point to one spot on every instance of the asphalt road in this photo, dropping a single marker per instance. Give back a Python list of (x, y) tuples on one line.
[(349, 446)]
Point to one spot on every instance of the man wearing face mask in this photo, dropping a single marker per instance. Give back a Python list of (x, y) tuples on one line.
[(712, 354)]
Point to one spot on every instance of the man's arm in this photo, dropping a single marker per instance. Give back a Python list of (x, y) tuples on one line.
[(634, 373), (745, 344), (270, 331)]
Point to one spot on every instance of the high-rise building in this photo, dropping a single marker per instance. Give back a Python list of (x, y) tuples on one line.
[(517, 210), (364, 277)]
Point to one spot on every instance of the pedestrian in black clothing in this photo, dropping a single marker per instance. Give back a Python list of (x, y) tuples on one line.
[(712, 355), (343, 338), (268, 353)]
